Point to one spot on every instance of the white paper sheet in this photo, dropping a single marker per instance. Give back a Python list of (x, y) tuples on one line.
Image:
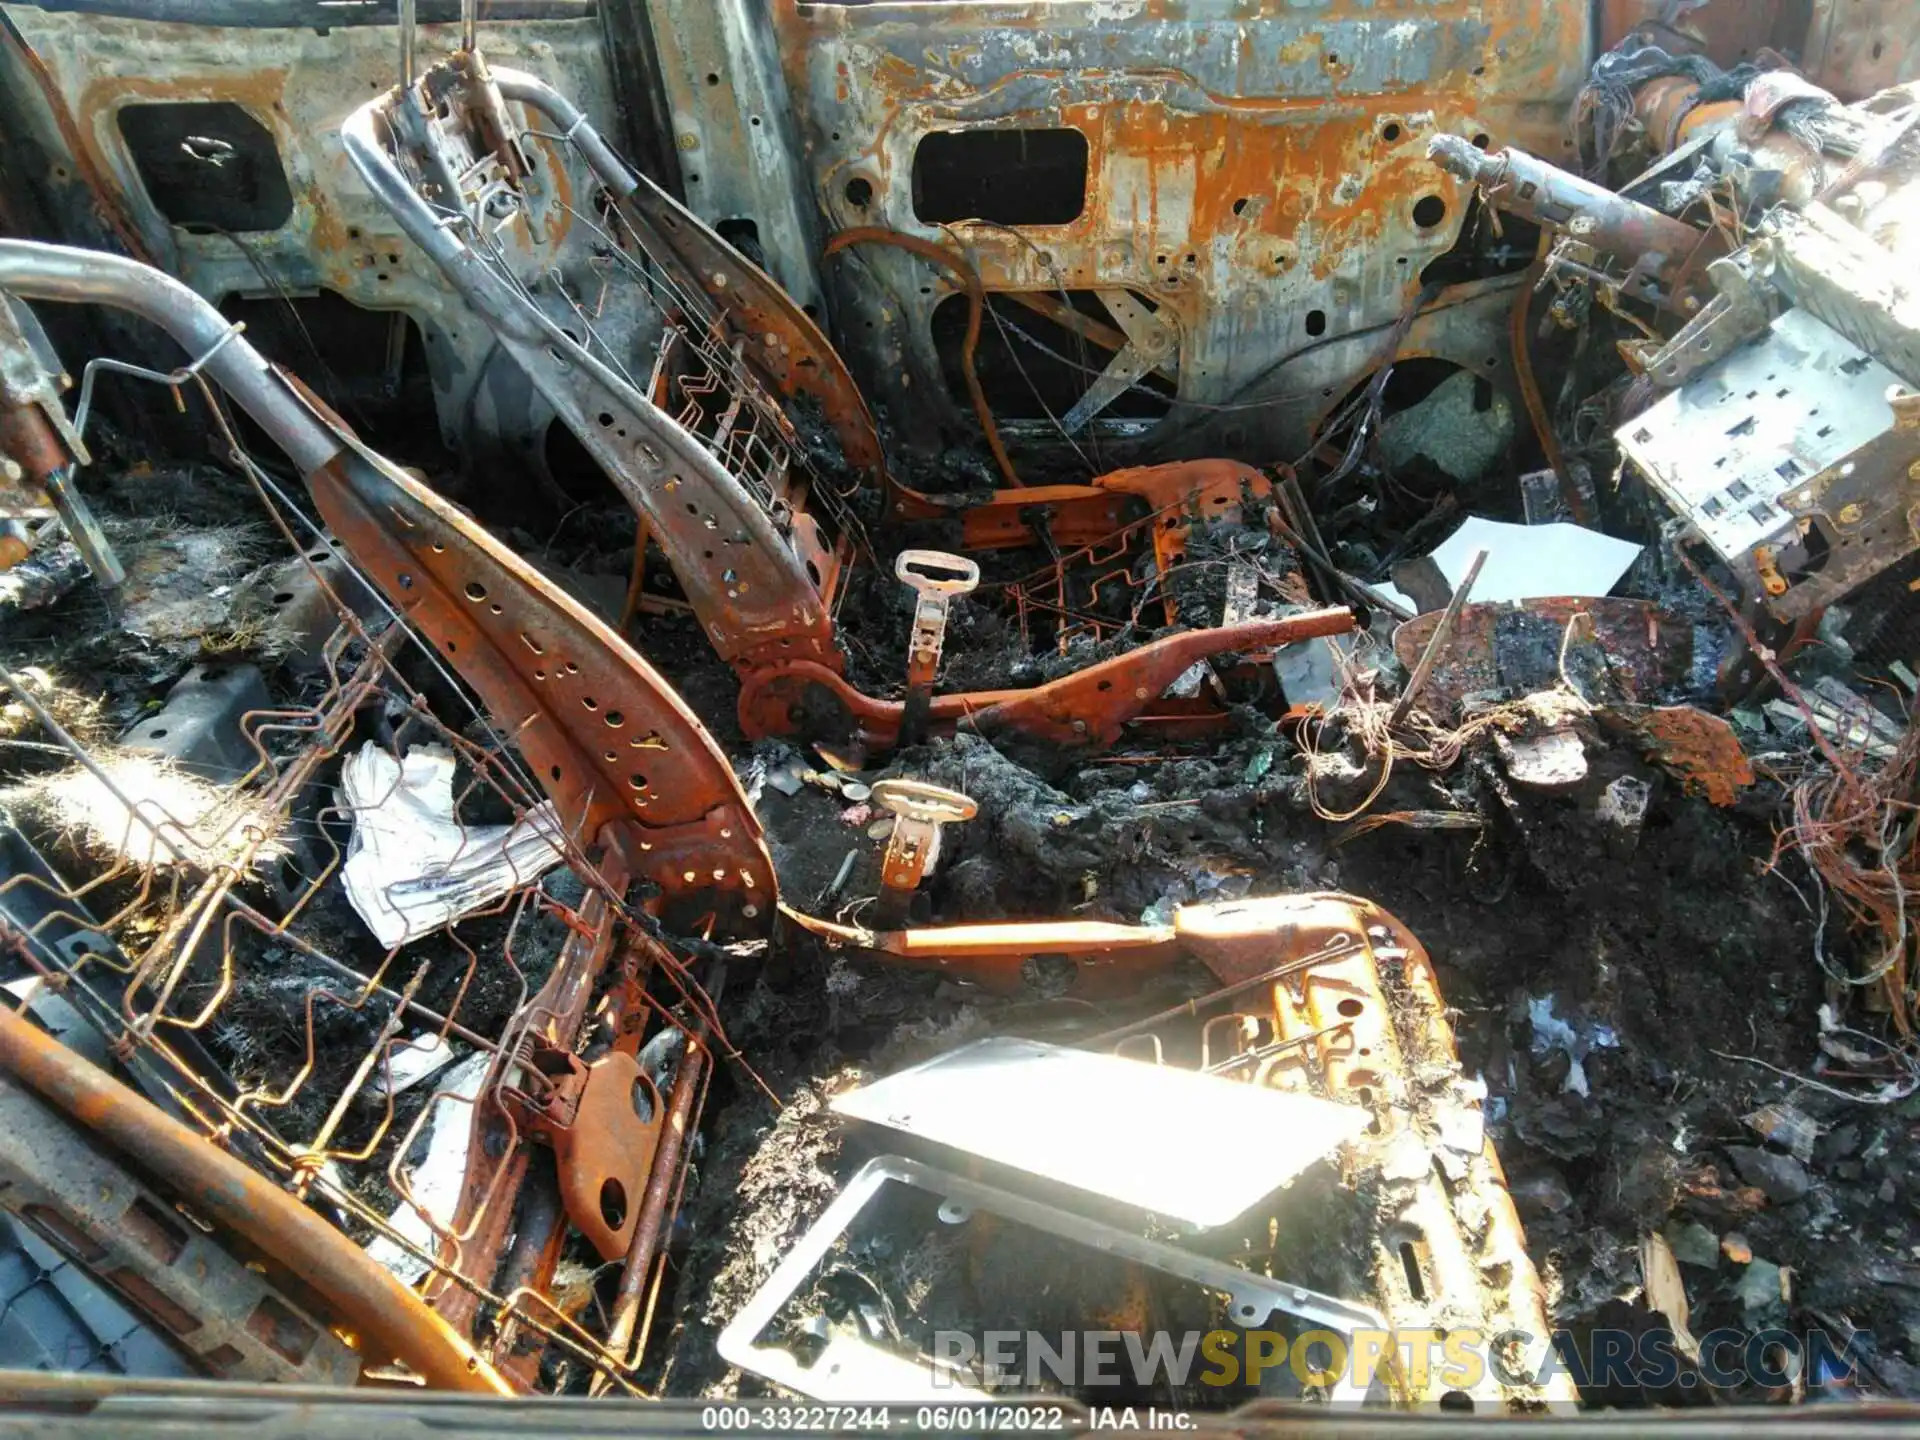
[(437, 1180), (1526, 562), (411, 866)]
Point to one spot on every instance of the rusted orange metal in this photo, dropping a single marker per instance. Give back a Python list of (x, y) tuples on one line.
[(663, 1186), (1080, 515), (31, 451), (1373, 1030), (780, 340), (1090, 707), (609, 741), (1666, 108), (1700, 748), (487, 1213), (1108, 958), (390, 1320), (603, 1121), (1333, 996)]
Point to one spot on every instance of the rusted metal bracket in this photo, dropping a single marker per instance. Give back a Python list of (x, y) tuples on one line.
[(1152, 343), (603, 1121)]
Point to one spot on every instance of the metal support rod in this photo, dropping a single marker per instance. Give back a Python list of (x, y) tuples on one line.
[(1524, 185), (364, 1295), (88, 277), (653, 1206), (608, 167), (1215, 997), (406, 43), (1440, 633), (1278, 1047)]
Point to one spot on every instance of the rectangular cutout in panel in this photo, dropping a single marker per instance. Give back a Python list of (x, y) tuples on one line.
[(1012, 177), (207, 164)]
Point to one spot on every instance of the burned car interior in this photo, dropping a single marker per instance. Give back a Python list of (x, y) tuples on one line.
[(1158, 710)]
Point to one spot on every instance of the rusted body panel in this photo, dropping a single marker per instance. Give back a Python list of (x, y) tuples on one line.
[(300, 84), (1253, 171)]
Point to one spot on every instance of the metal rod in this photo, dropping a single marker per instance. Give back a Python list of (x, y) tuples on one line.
[(1440, 633), (62, 273), (1225, 992), (653, 1207), (406, 43), (368, 1298), (1278, 1047)]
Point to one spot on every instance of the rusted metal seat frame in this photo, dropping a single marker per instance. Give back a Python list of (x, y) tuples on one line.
[(762, 575)]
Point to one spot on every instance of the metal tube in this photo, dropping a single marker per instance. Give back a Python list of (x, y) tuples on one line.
[(406, 44), (532, 90), (1441, 630), (365, 1295), (653, 1206), (88, 277), (1529, 187)]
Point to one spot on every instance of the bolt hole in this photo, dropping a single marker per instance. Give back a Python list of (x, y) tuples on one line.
[(1429, 211), (859, 192), (1316, 322)]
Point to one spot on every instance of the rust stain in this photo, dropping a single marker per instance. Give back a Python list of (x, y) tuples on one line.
[(1700, 748)]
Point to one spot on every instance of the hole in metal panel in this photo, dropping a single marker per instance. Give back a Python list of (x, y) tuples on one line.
[(1012, 177)]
